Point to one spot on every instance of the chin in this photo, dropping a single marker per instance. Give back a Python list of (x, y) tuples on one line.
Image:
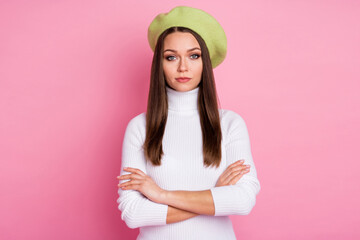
[(184, 88)]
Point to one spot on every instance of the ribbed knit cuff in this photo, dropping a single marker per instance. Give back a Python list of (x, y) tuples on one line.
[(149, 214), (155, 215), (227, 201)]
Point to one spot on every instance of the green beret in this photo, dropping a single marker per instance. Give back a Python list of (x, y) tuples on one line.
[(197, 20)]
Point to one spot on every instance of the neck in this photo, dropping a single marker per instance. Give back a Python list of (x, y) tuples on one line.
[(182, 101)]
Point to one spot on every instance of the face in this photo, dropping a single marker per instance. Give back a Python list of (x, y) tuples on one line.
[(182, 59)]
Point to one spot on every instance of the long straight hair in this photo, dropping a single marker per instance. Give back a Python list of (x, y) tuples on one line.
[(157, 107)]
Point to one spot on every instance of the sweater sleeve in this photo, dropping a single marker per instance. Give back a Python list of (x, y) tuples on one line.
[(136, 209), (240, 198)]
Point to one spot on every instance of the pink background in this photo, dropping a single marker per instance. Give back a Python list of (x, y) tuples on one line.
[(73, 73)]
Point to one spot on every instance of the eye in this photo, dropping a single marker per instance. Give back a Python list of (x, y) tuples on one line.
[(197, 56), (167, 58)]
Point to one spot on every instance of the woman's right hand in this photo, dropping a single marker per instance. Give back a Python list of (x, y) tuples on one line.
[(232, 173)]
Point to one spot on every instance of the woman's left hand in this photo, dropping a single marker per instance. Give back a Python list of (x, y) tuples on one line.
[(143, 183)]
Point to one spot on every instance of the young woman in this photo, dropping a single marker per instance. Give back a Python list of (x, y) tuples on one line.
[(188, 163)]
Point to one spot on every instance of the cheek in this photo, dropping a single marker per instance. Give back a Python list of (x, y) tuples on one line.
[(199, 70), (168, 68), (167, 72), (165, 69)]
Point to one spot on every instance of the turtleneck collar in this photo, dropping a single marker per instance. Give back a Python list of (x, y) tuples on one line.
[(182, 101)]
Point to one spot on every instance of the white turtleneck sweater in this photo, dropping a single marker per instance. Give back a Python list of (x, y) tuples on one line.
[(182, 169)]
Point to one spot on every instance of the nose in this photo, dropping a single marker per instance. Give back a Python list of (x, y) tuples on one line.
[(182, 65)]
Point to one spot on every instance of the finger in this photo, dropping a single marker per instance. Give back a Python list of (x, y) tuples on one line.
[(235, 172), (235, 164), (230, 176), (236, 178), (234, 169), (243, 167), (229, 169), (241, 161), (126, 176), (134, 170), (131, 176), (238, 164), (240, 168), (128, 183)]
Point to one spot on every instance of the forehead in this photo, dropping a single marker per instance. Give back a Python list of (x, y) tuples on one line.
[(180, 41)]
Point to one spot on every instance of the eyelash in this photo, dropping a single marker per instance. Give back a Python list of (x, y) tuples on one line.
[(198, 56)]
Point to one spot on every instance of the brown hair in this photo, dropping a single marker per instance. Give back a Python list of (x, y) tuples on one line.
[(157, 106)]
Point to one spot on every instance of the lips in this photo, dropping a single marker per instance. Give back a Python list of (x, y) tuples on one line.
[(182, 79)]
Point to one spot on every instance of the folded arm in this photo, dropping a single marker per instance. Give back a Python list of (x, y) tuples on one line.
[(175, 206), (200, 202), (136, 209), (177, 215), (238, 199)]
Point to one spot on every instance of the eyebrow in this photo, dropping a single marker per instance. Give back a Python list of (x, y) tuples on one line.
[(171, 50)]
